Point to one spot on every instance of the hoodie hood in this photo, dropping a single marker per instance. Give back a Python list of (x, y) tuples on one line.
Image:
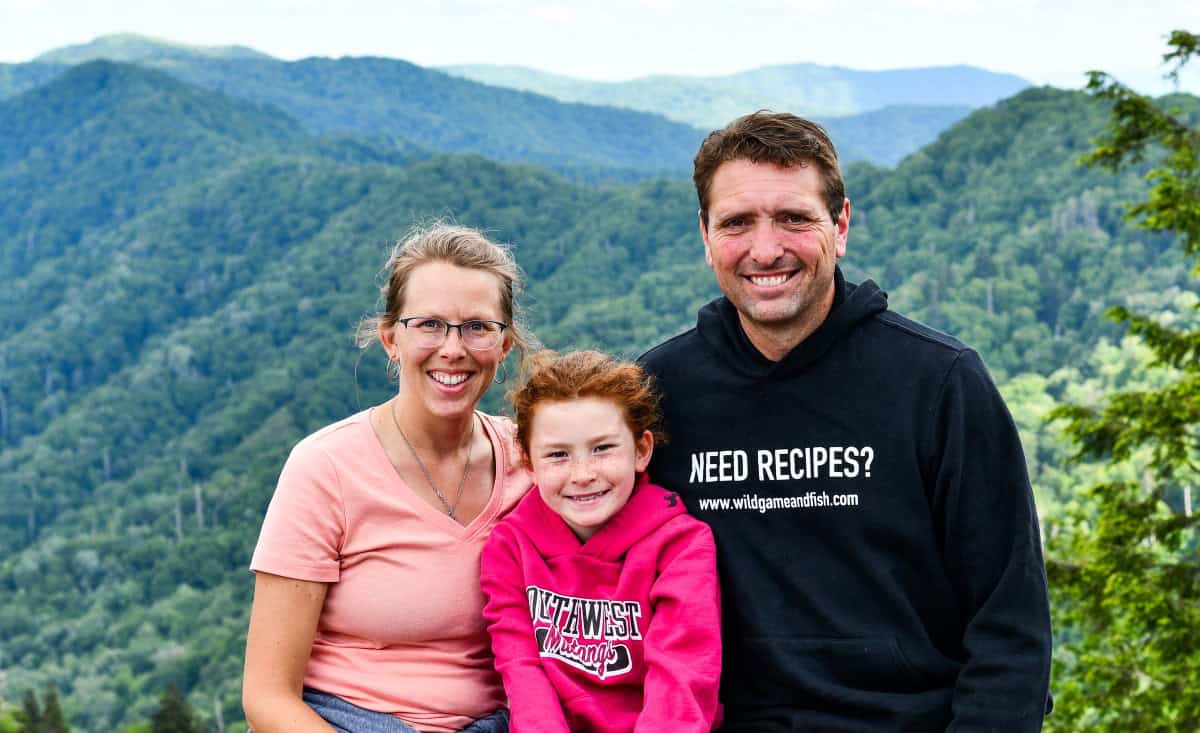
[(718, 324), (649, 507)]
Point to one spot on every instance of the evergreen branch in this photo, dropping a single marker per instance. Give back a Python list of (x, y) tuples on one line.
[(1184, 45)]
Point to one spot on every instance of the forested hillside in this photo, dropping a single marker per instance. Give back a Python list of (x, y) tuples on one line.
[(183, 270), (387, 98), (17, 78), (886, 136)]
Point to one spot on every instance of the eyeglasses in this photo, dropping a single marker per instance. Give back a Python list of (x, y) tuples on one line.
[(429, 333)]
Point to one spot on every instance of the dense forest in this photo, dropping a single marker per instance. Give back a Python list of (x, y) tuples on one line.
[(184, 268)]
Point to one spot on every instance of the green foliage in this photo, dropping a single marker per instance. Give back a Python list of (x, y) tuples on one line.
[(1125, 571), (981, 236), (34, 718), (175, 715), (30, 715), (51, 720)]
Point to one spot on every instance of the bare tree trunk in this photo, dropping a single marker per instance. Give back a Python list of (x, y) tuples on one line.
[(199, 493), (31, 526)]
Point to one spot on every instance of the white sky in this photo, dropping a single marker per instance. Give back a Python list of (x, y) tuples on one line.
[(1041, 40)]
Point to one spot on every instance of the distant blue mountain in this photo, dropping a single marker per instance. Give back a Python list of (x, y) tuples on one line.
[(808, 89)]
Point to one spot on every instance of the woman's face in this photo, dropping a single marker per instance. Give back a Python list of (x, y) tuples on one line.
[(448, 380)]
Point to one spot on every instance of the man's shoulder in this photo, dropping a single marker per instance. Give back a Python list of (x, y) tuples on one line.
[(917, 351), (917, 335), (664, 355)]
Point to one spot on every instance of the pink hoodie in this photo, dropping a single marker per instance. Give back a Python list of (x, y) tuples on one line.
[(620, 633)]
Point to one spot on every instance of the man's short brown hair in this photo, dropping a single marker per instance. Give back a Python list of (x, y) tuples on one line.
[(770, 137)]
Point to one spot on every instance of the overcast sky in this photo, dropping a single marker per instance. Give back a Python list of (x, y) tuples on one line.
[(1043, 41)]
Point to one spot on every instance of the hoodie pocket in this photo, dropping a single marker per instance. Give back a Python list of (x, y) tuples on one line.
[(765, 670)]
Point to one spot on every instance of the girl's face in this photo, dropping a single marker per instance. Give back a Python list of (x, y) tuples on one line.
[(447, 380), (584, 459)]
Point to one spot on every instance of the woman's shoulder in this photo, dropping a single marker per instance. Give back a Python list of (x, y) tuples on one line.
[(336, 433), (501, 423), (503, 433), (346, 436)]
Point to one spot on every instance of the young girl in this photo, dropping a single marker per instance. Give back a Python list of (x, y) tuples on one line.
[(602, 594)]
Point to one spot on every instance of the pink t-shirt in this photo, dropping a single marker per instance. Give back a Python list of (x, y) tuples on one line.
[(402, 628)]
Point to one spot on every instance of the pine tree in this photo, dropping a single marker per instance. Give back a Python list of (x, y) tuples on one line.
[(1126, 573), (174, 714), (52, 717), (30, 713)]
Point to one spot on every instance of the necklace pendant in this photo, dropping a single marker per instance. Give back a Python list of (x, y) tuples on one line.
[(449, 507)]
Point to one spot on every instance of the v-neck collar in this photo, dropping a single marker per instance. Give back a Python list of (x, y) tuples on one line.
[(427, 512)]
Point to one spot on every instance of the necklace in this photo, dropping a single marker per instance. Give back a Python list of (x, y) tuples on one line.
[(425, 471)]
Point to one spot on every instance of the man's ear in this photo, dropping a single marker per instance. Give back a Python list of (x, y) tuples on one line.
[(704, 236), (843, 229)]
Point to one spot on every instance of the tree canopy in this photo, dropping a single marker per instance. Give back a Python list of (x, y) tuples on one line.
[(1127, 571)]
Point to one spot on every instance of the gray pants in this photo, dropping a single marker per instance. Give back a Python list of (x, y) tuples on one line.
[(347, 718)]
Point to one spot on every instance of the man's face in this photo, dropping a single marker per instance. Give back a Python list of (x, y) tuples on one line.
[(773, 244)]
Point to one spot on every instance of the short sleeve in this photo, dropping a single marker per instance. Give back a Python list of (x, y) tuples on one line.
[(303, 531)]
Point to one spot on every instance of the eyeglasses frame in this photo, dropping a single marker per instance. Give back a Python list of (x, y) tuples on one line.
[(446, 334)]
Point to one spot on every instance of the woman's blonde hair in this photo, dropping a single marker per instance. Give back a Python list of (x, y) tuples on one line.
[(456, 245)]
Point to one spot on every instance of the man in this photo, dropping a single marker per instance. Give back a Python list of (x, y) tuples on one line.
[(878, 544)]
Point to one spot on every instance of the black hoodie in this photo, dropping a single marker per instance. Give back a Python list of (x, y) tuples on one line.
[(876, 535)]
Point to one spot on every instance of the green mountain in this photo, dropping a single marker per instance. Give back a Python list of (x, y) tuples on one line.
[(187, 269), (18, 78), (388, 98), (895, 112), (134, 48), (886, 136), (812, 90)]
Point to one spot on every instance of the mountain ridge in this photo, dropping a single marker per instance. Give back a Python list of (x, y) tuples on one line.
[(391, 97), (808, 89), (442, 112), (133, 47)]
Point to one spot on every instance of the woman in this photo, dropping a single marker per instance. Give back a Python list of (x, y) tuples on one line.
[(367, 610)]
